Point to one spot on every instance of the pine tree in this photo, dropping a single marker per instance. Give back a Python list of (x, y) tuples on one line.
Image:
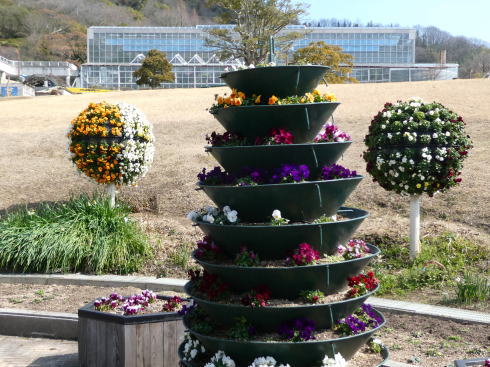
[(154, 70)]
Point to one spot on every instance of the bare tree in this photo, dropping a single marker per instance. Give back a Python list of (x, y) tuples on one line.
[(255, 22)]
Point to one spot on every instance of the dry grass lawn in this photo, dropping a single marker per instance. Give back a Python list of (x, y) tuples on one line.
[(34, 164)]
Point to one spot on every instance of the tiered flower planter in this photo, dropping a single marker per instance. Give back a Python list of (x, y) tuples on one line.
[(301, 203)]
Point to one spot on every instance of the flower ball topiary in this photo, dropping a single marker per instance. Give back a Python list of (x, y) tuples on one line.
[(112, 143), (415, 147)]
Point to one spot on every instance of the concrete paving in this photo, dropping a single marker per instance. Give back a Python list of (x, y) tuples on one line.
[(37, 352)]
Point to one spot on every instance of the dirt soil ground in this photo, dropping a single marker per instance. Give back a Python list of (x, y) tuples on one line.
[(57, 298), (34, 164), (424, 341)]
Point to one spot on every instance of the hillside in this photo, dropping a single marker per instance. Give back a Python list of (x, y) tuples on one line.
[(35, 165), (56, 29)]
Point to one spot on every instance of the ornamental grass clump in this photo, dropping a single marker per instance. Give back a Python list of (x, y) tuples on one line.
[(81, 235)]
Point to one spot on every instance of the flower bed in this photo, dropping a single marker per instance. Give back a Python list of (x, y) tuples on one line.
[(118, 336), (137, 304), (237, 98)]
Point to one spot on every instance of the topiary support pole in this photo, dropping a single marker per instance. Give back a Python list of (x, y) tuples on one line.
[(111, 193), (415, 225)]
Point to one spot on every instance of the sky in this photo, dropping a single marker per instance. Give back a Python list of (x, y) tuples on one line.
[(470, 18)]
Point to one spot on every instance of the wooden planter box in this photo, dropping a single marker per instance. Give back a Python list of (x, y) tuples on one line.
[(110, 340)]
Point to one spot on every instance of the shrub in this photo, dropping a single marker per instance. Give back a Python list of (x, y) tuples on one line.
[(473, 288), (83, 234)]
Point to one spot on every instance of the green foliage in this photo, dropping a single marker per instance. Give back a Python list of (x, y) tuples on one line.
[(473, 288), (83, 234), (442, 260), (319, 53), (12, 42), (255, 22), (13, 21), (135, 4), (154, 70), (240, 331), (181, 255)]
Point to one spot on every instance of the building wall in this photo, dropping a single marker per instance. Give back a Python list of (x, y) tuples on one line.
[(115, 52)]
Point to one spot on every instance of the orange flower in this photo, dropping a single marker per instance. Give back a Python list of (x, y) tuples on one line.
[(257, 100), (220, 100), (241, 95), (273, 99)]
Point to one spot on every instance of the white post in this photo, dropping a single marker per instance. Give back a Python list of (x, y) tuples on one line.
[(111, 192), (415, 225)]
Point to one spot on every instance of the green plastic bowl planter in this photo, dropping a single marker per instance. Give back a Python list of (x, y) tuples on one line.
[(277, 242), (270, 318), (281, 81), (315, 155), (302, 354), (304, 121), (289, 281), (384, 354), (298, 202)]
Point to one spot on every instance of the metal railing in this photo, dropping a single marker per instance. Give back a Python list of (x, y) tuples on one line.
[(7, 61)]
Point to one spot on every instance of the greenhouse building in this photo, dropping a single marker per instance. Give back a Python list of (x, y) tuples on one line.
[(114, 53)]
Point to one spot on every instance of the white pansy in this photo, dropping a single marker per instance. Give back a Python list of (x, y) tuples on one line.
[(337, 361), (192, 347), (212, 210), (276, 214), (448, 133), (383, 126), (226, 209), (390, 136), (193, 216), (137, 147), (435, 135), (208, 218), (232, 216), (220, 359)]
